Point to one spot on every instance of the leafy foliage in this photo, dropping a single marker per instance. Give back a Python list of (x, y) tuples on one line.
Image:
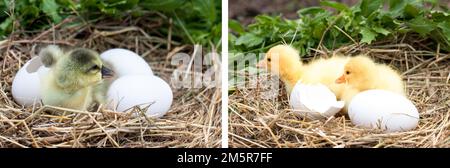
[(365, 22), (195, 21), (28, 13)]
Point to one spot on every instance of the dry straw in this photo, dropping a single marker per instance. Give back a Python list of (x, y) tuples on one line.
[(193, 120), (257, 122)]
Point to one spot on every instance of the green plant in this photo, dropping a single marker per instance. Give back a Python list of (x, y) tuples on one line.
[(195, 21), (199, 20), (32, 14), (365, 22)]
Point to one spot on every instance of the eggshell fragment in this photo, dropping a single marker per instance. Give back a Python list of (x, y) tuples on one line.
[(26, 84), (125, 62), (384, 110), (315, 101), (143, 91)]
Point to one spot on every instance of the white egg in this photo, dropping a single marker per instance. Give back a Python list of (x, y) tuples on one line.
[(143, 90), (384, 110), (125, 62), (315, 101), (26, 84)]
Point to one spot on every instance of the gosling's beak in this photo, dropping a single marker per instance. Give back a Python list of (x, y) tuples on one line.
[(261, 64), (340, 79), (107, 73)]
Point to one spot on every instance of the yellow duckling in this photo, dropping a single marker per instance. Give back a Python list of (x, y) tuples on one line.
[(284, 61), (74, 78), (361, 73)]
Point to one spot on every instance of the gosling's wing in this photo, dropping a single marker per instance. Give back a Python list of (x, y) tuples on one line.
[(50, 54)]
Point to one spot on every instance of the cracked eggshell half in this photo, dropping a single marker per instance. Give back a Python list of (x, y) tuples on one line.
[(315, 101), (27, 82)]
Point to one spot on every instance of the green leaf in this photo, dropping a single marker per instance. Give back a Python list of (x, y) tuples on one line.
[(318, 30), (310, 10), (167, 5), (235, 26), (445, 27), (421, 25), (381, 30), (6, 24), (336, 5), (367, 35), (206, 9), (231, 39), (411, 10), (50, 7), (249, 40), (370, 6), (396, 7)]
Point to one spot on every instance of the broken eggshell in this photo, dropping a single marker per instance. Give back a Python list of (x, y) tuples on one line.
[(26, 84), (314, 101)]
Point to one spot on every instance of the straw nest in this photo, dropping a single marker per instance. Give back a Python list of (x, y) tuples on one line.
[(193, 120), (258, 122)]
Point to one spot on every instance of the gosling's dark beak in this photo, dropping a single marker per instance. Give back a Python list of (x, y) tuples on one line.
[(107, 73)]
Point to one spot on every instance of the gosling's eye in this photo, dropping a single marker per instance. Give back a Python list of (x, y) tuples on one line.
[(94, 68), (347, 72), (268, 59)]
